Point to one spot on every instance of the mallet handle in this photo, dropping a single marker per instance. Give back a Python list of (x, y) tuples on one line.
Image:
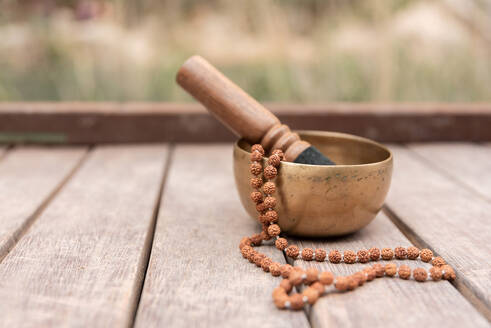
[(240, 112)]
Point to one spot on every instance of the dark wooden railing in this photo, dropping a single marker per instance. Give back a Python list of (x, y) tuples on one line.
[(87, 123)]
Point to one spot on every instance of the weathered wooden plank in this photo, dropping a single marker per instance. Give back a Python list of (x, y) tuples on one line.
[(196, 275), (386, 302), (467, 163), (82, 262), (29, 177), (72, 122), (436, 211)]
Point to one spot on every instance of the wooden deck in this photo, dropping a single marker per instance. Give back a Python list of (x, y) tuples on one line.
[(147, 236)]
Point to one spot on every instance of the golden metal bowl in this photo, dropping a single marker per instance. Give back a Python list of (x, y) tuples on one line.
[(319, 200)]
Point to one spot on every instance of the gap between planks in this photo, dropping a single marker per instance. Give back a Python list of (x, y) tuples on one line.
[(420, 243), (196, 275), (80, 263), (434, 210), (35, 161), (147, 248)]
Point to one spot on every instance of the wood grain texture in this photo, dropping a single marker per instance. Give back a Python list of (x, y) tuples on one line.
[(82, 262), (386, 302), (436, 211), (75, 122), (196, 275), (467, 163), (29, 177)]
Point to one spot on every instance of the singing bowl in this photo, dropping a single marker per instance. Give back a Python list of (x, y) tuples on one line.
[(321, 200)]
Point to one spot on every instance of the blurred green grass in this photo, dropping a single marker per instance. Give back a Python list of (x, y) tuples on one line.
[(287, 51)]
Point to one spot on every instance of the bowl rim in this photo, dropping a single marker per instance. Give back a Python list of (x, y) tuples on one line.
[(331, 134)]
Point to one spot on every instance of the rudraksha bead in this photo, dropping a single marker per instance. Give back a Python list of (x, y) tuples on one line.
[(280, 301), (278, 152), (448, 272), (341, 283), (404, 272), (266, 263), (281, 243), (274, 230), (256, 156), (274, 160), (285, 270), (263, 219), (257, 197), (387, 253), (360, 278), (286, 285), (426, 255), (370, 273), (258, 259), (255, 168), (245, 251), (270, 172), (296, 277), (400, 253), (352, 283), (379, 270), (261, 207), (438, 261), (269, 188), (256, 239), (278, 291), (264, 234), (420, 274), (312, 275), (307, 254), (390, 269), (274, 268), (251, 255), (292, 251), (272, 216), (374, 253), (436, 273), (320, 254), (246, 241), (326, 278), (296, 301), (363, 256), (257, 147), (270, 202), (349, 257), (312, 295), (318, 286), (256, 183), (412, 253), (335, 256)]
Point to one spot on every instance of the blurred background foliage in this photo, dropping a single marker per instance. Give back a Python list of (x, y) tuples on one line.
[(286, 51)]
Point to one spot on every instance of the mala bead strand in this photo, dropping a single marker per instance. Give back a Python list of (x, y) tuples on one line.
[(315, 281)]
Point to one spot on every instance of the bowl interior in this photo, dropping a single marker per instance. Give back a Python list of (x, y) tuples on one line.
[(343, 149)]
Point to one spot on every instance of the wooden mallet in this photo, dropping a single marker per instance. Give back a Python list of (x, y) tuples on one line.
[(242, 114)]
